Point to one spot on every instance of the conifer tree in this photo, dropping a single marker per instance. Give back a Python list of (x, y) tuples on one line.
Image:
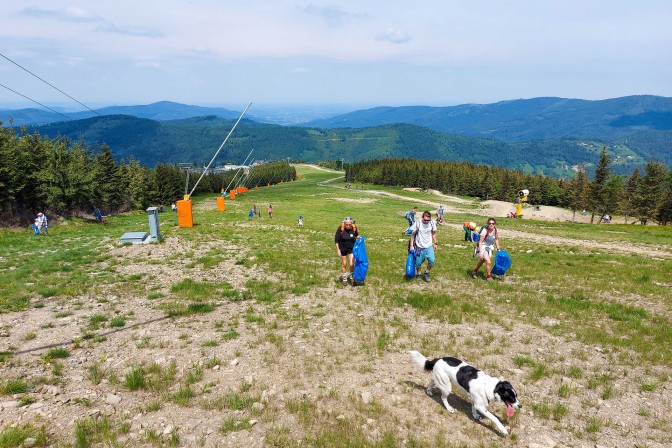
[(580, 192), (598, 186), (109, 185), (653, 190), (632, 196), (665, 212)]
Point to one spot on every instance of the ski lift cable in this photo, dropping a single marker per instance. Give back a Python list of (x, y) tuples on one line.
[(51, 85), (220, 148), (235, 175), (36, 102)]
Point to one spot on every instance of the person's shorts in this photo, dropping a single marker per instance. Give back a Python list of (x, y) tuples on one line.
[(345, 252), (425, 254), (487, 250)]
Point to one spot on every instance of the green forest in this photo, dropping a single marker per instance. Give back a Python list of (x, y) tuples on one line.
[(194, 140), (641, 197), (62, 177), (68, 177)]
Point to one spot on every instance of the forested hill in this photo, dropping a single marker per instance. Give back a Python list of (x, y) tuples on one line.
[(521, 120), (197, 139)]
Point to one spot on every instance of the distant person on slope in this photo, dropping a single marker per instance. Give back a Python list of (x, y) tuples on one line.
[(270, 211), (346, 234), (487, 241), (439, 214), (410, 217)]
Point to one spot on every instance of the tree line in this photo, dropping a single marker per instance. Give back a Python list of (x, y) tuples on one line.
[(61, 177), (640, 197)]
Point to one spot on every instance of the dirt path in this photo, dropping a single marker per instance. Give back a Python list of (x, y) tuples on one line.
[(545, 213)]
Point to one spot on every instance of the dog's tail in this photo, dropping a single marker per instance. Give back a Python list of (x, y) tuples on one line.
[(421, 361)]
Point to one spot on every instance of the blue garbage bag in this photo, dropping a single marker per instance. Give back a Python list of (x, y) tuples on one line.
[(502, 263), (410, 264), (36, 229), (361, 260)]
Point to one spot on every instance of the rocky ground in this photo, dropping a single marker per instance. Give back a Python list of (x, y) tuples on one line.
[(331, 361)]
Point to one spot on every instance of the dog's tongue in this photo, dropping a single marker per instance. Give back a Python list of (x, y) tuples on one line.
[(509, 410)]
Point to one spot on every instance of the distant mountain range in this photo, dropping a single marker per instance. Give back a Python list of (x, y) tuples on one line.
[(165, 110), (520, 120), (540, 135)]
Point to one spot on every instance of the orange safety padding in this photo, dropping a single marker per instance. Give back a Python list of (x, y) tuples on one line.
[(185, 217), (256, 187), (268, 184), (221, 206), (232, 194)]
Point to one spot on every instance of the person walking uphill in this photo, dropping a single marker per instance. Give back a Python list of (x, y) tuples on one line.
[(487, 241), (346, 234), (423, 240)]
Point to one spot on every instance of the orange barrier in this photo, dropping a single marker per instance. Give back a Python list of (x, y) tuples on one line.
[(268, 184), (256, 187), (232, 194), (221, 206), (185, 217)]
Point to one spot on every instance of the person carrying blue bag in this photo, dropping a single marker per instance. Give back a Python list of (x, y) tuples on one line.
[(488, 240), (423, 241), (346, 235)]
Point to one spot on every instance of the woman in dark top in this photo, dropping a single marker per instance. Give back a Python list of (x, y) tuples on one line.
[(346, 234)]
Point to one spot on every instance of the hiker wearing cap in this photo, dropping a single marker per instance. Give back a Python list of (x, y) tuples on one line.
[(487, 241), (346, 234), (423, 241)]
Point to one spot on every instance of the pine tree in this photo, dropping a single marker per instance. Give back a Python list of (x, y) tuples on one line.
[(653, 190), (665, 212), (579, 191), (109, 185), (598, 186), (632, 197)]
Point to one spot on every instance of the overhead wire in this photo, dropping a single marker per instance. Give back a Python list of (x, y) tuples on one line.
[(36, 102), (49, 84)]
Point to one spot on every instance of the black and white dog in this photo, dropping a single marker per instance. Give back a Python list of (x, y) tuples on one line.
[(481, 387)]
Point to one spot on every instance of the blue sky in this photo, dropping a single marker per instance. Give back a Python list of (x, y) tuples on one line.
[(366, 52)]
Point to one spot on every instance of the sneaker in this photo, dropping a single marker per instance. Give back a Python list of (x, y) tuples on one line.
[(426, 276), (351, 280), (489, 278), (473, 274), (344, 279)]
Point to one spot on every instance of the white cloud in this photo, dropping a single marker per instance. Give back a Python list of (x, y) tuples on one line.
[(298, 70), (332, 15), (394, 35)]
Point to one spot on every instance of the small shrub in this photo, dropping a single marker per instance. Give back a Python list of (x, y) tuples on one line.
[(14, 386), (135, 378), (57, 353), (117, 322)]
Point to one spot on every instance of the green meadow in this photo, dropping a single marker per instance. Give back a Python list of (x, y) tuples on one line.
[(581, 322)]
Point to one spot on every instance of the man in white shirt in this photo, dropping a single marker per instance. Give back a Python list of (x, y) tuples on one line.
[(423, 240)]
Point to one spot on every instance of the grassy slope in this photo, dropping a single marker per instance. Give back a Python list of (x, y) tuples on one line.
[(620, 303)]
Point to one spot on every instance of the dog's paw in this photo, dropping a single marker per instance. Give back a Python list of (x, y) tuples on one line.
[(429, 392), (476, 416), (450, 409)]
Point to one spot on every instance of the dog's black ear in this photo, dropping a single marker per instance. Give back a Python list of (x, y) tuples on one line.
[(506, 392)]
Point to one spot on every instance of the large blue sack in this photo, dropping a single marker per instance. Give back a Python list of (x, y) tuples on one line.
[(410, 264), (502, 263), (361, 260)]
